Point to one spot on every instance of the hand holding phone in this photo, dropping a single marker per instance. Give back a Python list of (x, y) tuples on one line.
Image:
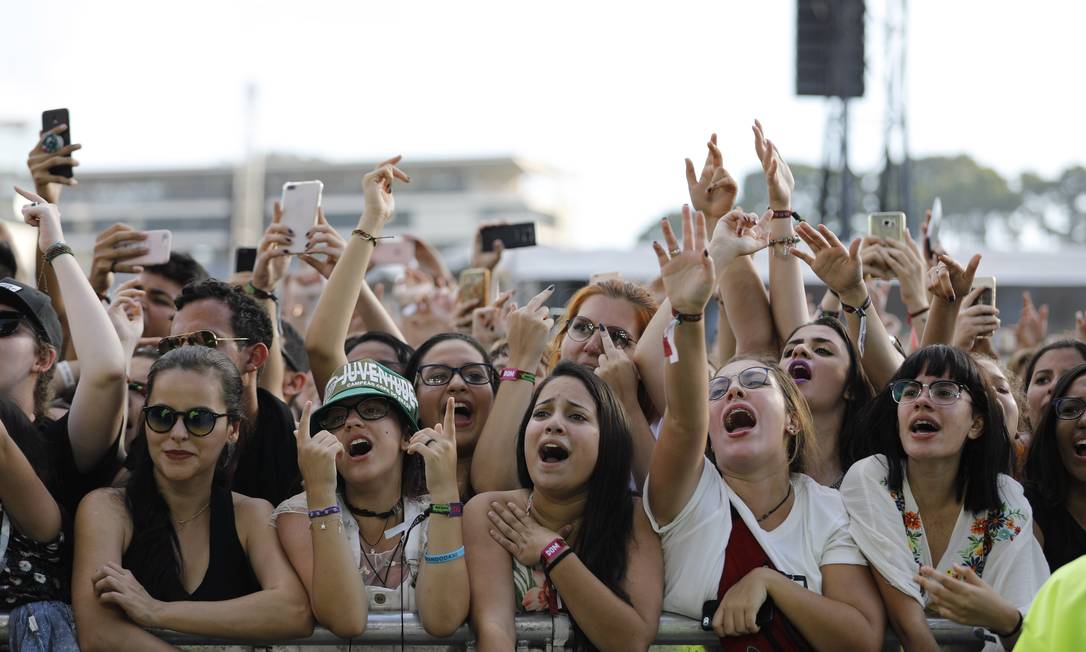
[(890, 226), (157, 242), (299, 202), (475, 286)]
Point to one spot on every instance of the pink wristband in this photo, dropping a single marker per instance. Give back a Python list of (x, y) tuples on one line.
[(510, 373), (553, 551)]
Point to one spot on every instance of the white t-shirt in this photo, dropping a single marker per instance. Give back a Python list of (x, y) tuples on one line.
[(815, 534)]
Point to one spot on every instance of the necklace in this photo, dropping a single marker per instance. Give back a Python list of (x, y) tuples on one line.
[(190, 519), (365, 513), (783, 501)]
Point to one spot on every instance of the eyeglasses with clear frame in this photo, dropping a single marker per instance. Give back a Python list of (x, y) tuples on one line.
[(941, 392), (751, 378), (475, 373), (1068, 408)]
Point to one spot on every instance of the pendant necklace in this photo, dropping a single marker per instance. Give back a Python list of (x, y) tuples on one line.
[(783, 501)]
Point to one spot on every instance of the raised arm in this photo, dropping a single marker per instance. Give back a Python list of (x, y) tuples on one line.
[(94, 420), (677, 458), (328, 330), (737, 238), (270, 267), (948, 282), (907, 263), (842, 271), (787, 298), (493, 465), (317, 547), (25, 499), (713, 192), (442, 593), (620, 373)]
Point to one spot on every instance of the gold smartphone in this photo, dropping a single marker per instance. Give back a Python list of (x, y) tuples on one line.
[(475, 285), (987, 297), (890, 226)]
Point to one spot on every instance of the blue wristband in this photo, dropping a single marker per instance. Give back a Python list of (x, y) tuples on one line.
[(444, 557), (327, 511)]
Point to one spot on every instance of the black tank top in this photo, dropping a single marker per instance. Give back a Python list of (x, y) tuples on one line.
[(228, 575), (1065, 539)]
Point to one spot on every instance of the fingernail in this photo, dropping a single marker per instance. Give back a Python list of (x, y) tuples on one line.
[(550, 288), (290, 230)]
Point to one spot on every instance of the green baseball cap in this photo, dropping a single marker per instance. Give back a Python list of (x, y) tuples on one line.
[(368, 378)]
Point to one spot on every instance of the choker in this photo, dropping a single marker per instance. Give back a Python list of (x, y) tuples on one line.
[(368, 514)]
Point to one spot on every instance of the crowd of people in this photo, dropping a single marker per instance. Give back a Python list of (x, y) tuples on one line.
[(179, 452)]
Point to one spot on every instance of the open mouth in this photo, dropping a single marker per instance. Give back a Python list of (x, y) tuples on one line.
[(462, 414), (551, 453), (359, 447), (1080, 448), (924, 426), (739, 419), (800, 371)]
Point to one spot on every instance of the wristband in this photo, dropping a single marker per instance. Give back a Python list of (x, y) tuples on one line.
[(914, 315), (1017, 628), (327, 511), (444, 557), (552, 551), (372, 238), (510, 373), (787, 214), (55, 250), (254, 291), (671, 352), (452, 510), (678, 316), (860, 310)]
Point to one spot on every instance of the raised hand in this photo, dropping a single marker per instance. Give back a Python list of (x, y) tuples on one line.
[(687, 271), (948, 280), (978, 320), (487, 259), (527, 329), (778, 176), (45, 217), (316, 456), (617, 369), (437, 447), (1032, 327), (273, 253), (112, 248), (738, 234), (488, 322), (39, 161), (323, 247), (839, 268), (932, 250), (126, 314), (713, 193), (377, 190), (907, 263)]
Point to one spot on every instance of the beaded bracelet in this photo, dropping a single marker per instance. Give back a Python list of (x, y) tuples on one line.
[(444, 557), (327, 511)]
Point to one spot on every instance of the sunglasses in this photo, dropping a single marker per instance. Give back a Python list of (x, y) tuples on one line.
[(941, 392), (476, 373), (197, 338), (9, 322), (582, 328), (199, 422), (751, 378), (370, 409), (1069, 407)]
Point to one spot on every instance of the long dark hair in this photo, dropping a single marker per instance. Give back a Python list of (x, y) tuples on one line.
[(1027, 377), (607, 521), (852, 445), (153, 536), (1045, 472), (982, 459), (412, 369)]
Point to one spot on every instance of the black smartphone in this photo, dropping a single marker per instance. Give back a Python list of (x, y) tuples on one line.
[(244, 259), (708, 610), (54, 142), (511, 235)]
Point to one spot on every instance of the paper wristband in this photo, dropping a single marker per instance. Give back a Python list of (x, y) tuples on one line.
[(444, 557), (510, 373), (452, 510), (327, 511)]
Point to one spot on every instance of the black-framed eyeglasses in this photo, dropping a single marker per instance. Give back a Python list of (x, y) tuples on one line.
[(9, 322), (138, 387), (941, 392), (370, 409), (197, 338), (199, 422), (751, 378), (475, 373), (1068, 408), (580, 329)]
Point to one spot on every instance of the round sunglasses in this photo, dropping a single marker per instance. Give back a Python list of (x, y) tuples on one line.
[(199, 422)]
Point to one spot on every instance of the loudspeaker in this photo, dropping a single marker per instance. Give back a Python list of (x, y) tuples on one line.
[(830, 48)]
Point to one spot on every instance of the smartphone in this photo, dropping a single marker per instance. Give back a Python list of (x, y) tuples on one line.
[(244, 259), (54, 142), (933, 227), (987, 296), (511, 235), (887, 225), (300, 202), (393, 252), (475, 285), (158, 248), (709, 607)]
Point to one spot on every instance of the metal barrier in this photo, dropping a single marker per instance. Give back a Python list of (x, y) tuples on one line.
[(534, 632)]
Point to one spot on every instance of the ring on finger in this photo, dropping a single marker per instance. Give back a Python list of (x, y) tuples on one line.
[(429, 441), (674, 252)]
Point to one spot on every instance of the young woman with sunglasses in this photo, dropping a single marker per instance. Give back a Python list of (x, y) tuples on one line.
[(576, 536), (175, 549), (1056, 471), (946, 529), (716, 531), (600, 330), (357, 535)]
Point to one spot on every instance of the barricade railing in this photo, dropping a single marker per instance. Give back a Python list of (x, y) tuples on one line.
[(534, 632)]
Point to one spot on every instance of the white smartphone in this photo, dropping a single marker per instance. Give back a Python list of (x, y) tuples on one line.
[(987, 296), (933, 226), (158, 248), (887, 225), (300, 202)]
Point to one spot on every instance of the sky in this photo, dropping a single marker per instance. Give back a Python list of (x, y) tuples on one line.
[(612, 95)]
